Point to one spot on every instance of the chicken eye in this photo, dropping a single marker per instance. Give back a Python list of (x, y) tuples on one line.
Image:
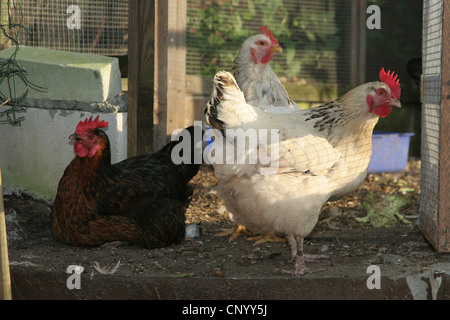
[(261, 43), (91, 136), (381, 92)]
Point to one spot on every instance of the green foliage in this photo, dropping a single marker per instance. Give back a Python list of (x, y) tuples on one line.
[(383, 210), (216, 30)]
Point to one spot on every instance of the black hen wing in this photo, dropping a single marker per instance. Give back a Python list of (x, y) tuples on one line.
[(152, 190)]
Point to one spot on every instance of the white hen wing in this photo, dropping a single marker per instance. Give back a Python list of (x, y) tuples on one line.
[(298, 148)]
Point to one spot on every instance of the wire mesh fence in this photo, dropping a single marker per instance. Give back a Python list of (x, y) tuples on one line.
[(396, 42), (317, 35), (324, 41), (314, 34), (98, 27)]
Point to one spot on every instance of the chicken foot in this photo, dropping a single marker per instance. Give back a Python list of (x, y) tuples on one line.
[(238, 230), (235, 232), (299, 258), (264, 238)]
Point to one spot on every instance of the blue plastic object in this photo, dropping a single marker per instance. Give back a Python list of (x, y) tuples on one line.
[(389, 152)]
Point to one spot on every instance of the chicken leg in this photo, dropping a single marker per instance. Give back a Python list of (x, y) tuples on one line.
[(299, 258)]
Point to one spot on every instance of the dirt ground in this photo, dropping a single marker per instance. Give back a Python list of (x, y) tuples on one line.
[(398, 248)]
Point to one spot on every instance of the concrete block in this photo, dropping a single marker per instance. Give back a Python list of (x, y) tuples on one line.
[(33, 156), (66, 75)]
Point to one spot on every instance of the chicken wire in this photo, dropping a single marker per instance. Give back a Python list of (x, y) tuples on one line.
[(314, 34), (431, 61), (103, 25), (397, 42), (317, 37)]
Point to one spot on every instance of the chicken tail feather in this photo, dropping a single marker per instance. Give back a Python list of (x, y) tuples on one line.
[(227, 105)]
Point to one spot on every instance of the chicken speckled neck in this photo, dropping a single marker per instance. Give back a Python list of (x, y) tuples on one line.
[(258, 82)]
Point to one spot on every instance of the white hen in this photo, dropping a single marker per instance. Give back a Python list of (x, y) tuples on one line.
[(255, 77), (262, 89), (323, 152)]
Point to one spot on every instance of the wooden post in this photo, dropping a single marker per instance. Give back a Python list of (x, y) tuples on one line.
[(141, 70), (161, 70), (358, 42), (434, 219), (5, 278), (444, 147), (176, 68)]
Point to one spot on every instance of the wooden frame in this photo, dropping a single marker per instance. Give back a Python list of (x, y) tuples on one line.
[(444, 152), (156, 76), (435, 220), (141, 56), (358, 42)]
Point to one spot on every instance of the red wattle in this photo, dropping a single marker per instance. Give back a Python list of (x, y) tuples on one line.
[(267, 57), (81, 150), (383, 110)]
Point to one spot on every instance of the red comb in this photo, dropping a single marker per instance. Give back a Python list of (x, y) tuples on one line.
[(90, 124), (265, 31), (392, 82)]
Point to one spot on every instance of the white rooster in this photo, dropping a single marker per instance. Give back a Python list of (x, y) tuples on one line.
[(322, 152)]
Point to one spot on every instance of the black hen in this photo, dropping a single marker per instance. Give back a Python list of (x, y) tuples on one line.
[(141, 200)]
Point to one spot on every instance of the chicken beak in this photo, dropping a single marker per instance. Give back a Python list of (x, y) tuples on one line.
[(74, 137), (395, 103), (276, 48)]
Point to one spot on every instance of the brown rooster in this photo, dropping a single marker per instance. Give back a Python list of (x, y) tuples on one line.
[(141, 200)]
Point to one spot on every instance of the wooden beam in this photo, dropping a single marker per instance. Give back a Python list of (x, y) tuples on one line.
[(354, 43), (358, 42), (444, 148), (176, 69), (161, 70), (361, 73), (141, 70)]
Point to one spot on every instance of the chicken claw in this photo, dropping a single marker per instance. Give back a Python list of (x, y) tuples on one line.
[(300, 267), (267, 237), (297, 255), (235, 232)]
